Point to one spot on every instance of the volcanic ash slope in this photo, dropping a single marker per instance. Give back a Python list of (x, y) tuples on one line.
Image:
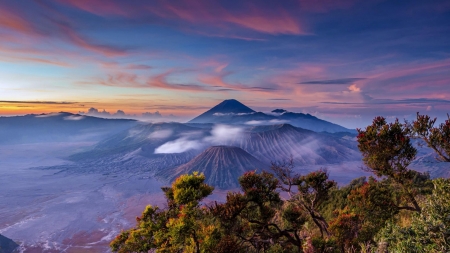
[(222, 166)]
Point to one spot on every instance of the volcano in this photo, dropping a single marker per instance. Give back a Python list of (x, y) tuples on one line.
[(227, 107), (232, 111), (222, 166)]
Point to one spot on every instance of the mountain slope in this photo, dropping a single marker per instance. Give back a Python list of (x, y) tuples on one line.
[(307, 121), (7, 245), (222, 166), (58, 127), (278, 142), (233, 112), (227, 107)]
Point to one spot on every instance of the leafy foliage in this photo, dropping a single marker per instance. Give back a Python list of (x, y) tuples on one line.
[(312, 191), (346, 227), (257, 218), (437, 138), (387, 151), (369, 207), (428, 231), (177, 229)]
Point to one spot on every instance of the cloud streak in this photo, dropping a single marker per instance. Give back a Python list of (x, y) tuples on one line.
[(395, 102), (334, 81), (54, 25), (11, 21), (160, 81), (38, 102), (277, 20), (219, 135)]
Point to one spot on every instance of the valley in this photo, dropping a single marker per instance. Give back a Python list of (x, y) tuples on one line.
[(76, 193)]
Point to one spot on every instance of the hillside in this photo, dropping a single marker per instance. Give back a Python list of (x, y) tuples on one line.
[(222, 166), (7, 245), (278, 142)]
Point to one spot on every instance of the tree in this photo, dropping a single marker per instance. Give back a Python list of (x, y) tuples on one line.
[(346, 228), (428, 231), (257, 219), (370, 206), (312, 190), (338, 198), (437, 138), (183, 227), (387, 151)]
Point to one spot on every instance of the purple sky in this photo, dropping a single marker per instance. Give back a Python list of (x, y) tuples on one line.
[(342, 60)]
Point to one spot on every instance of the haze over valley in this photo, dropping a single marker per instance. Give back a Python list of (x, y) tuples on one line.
[(77, 183)]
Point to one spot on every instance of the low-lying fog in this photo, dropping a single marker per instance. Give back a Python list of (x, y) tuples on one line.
[(48, 204), (54, 211), (63, 212)]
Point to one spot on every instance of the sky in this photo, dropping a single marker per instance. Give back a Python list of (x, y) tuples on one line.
[(345, 61)]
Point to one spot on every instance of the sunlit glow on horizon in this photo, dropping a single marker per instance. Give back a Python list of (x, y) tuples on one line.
[(181, 58)]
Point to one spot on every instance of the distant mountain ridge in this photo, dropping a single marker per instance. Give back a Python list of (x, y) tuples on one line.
[(58, 127), (234, 112), (222, 166)]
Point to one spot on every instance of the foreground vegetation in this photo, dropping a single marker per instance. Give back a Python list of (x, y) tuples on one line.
[(400, 210)]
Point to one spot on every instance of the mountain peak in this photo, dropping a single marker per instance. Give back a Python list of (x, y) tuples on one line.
[(226, 107), (280, 111), (230, 100), (231, 106)]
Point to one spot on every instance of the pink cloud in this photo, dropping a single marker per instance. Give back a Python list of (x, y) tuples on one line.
[(411, 77), (206, 13), (325, 5), (24, 24), (412, 69), (160, 81), (132, 80), (13, 58), (272, 21), (116, 79), (354, 88), (101, 8), (12, 21), (122, 79), (132, 66), (218, 82), (69, 34)]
